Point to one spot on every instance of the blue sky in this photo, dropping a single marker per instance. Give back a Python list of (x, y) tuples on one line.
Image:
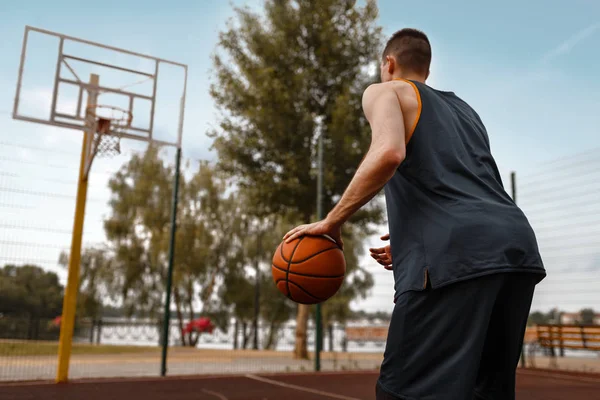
[(531, 70)]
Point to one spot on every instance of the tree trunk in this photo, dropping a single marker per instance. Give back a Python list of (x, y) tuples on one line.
[(300, 349), (99, 331), (301, 345), (30, 327), (245, 335), (236, 328), (36, 329), (92, 327), (344, 340), (191, 339), (194, 338), (257, 291), (179, 315), (271, 343), (209, 288), (330, 331)]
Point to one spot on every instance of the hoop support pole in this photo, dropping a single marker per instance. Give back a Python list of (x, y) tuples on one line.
[(67, 322)]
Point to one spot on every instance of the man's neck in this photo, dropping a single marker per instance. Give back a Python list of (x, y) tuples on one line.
[(410, 77)]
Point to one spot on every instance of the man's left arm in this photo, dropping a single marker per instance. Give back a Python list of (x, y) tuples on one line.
[(386, 152)]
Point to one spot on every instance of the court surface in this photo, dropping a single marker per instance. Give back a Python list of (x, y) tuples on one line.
[(531, 385)]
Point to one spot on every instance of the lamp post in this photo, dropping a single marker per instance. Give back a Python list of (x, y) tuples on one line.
[(257, 286), (318, 322)]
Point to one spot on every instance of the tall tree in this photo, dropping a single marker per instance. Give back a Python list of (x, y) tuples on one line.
[(95, 276), (28, 293), (208, 243), (282, 78), (587, 316), (138, 230), (356, 285), (258, 234), (275, 308), (237, 293)]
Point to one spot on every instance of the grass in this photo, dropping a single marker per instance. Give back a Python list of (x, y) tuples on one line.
[(16, 348), (20, 349)]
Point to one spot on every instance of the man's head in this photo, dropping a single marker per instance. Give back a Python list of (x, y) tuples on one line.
[(406, 55)]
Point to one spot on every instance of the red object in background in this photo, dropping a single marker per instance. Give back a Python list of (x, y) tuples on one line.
[(202, 325), (56, 321)]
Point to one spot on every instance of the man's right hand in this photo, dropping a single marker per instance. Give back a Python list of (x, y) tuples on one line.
[(383, 255)]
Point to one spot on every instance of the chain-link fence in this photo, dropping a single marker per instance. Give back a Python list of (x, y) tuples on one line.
[(120, 319)]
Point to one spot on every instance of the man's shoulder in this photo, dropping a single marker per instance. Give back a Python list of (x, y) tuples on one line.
[(375, 89), (403, 90), (391, 85), (378, 94)]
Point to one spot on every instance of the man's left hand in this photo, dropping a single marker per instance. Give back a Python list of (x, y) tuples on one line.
[(323, 227)]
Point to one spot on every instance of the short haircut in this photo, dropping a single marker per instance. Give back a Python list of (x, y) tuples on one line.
[(411, 49)]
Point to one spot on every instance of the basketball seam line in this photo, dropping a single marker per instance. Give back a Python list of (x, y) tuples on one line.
[(308, 275), (306, 291), (336, 246), (313, 255), (287, 273)]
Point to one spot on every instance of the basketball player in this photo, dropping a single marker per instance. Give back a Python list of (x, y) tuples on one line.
[(464, 256)]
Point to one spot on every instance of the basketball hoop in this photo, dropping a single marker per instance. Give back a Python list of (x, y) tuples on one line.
[(108, 125)]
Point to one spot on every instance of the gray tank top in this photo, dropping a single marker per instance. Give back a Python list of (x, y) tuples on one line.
[(449, 216)]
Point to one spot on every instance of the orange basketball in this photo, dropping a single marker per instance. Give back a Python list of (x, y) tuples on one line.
[(309, 270)]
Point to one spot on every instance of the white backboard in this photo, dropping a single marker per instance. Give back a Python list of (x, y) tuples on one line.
[(53, 86)]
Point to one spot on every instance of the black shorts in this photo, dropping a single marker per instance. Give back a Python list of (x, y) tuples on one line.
[(458, 342)]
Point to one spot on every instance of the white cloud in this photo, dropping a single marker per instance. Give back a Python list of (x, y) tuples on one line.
[(566, 46)]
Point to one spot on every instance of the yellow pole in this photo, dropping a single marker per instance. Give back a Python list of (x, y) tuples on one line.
[(67, 322)]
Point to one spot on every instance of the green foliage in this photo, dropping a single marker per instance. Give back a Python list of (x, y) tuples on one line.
[(551, 317), (237, 291), (30, 298), (138, 231), (29, 290), (362, 314), (95, 272), (275, 308), (587, 316), (209, 241), (277, 77), (538, 318), (356, 284), (206, 244), (281, 79), (258, 237)]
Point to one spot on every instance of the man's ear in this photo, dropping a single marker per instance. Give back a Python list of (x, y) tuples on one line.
[(391, 64)]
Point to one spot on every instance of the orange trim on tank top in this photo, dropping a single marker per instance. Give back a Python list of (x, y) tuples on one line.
[(420, 107)]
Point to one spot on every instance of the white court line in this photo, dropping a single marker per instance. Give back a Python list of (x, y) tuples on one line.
[(301, 388), (216, 394)]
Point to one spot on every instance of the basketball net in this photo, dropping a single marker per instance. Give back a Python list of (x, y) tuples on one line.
[(109, 124)]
